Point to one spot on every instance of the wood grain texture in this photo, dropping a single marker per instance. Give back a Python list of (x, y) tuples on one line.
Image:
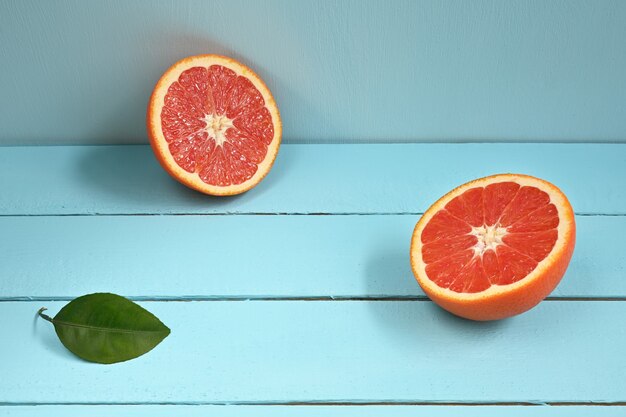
[(368, 70), (305, 411), (253, 256), (369, 179), (290, 351), (56, 243)]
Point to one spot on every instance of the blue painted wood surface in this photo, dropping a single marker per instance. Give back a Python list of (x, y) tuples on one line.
[(56, 244), (401, 178), (253, 256), (329, 351), (81, 71), (309, 411)]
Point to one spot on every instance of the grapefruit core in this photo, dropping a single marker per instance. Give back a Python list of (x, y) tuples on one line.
[(494, 247), (214, 125)]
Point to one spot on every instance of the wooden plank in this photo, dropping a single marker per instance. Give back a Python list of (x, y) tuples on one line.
[(403, 178), (290, 351), (305, 411), (255, 256)]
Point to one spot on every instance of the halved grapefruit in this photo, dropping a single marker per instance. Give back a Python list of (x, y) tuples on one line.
[(494, 247), (214, 125)]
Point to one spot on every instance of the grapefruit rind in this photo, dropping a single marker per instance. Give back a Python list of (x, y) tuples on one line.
[(160, 145), (500, 301)]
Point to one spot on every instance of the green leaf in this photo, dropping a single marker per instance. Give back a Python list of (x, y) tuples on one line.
[(107, 328)]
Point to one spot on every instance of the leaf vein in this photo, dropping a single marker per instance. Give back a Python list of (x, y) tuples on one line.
[(105, 329)]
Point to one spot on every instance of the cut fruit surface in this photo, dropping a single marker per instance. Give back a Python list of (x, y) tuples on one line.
[(494, 247), (214, 125)]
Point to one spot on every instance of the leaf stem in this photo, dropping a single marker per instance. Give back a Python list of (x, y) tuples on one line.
[(45, 316)]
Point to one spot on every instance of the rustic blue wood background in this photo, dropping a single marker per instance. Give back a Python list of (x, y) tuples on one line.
[(80, 71), (296, 298)]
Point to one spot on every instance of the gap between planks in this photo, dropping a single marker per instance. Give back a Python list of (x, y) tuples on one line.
[(581, 214), (323, 403), (352, 141), (216, 298)]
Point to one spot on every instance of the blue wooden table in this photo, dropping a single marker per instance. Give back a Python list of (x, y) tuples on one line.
[(296, 298)]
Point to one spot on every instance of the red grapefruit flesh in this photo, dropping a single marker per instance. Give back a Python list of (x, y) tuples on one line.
[(214, 125), (494, 247)]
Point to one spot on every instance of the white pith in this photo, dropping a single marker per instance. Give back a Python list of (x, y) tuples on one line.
[(216, 127), (565, 231), (489, 238)]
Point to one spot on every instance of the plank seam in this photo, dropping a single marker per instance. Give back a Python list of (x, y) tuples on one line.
[(403, 213), (338, 403), (217, 298), (352, 141)]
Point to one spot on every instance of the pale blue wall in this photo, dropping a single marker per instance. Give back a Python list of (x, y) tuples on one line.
[(81, 71)]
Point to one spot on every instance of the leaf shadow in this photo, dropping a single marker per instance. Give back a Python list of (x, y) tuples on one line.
[(46, 335)]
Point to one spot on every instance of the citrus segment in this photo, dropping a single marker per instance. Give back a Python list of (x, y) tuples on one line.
[(496, 198), (522, 220), (505, 237), (214, 125)]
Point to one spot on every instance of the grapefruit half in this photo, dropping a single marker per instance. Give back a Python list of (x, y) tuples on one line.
[(494, 247), (214, 125)]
